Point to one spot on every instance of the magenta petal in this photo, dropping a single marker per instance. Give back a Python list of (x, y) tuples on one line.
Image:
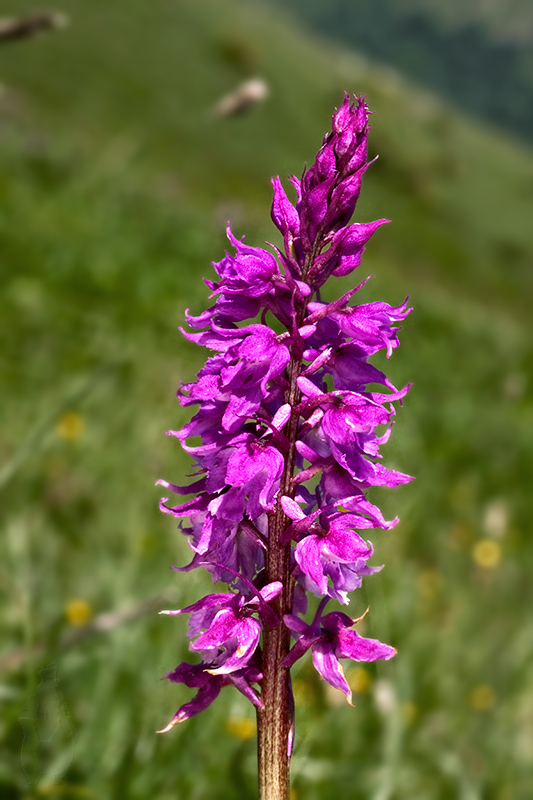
[(241, 683), (351, 238), (281, 417), (193, 676), (317, 205), (350, 249), (329, 668), (250, 461), (271, 590), (284, 215), (205, 696), (246, 633), (291, 508), (351, 645), (307, 556), (221, 630), (345, 545), (210, 601), (295, 624)]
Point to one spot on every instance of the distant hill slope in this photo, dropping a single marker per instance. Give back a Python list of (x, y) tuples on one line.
[(478, 54), (504, 20), (138, 79)]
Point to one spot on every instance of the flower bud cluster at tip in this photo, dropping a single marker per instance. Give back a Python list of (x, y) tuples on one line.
[(262, 395)]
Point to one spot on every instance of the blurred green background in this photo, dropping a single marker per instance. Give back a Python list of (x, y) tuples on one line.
[(116, 180), (478, 53)]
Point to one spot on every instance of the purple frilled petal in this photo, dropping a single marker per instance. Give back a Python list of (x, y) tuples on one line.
[(347, 417), (263, 349), (238, 638), (284, 215), (308, 557), (257, 467), (248, 273), (195, 677), (239, 551), (365, 473), (349, 644), (209, 685), (227, 310), (346, 250), (332, 542), (371, 325), (345, 643), (329, 668), (242, 405), (331, 637), (339, 487), (203, 611), (224, 625), (341, 543)]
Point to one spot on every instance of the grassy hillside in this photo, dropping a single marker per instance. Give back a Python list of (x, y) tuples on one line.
[(505, 20), (115, 185), (477, 54)]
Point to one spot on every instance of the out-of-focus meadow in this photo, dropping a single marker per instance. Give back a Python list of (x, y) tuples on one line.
[(116, 181)]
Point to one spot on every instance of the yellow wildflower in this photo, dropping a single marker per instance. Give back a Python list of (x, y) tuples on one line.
[(70, 426), (487, 553), (482, 698), (241, 727), (78, 611)]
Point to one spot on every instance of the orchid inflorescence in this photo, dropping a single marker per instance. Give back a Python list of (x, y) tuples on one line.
[(289, 442)]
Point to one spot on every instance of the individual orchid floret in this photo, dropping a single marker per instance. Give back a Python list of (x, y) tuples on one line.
[(223, 627), (331, 637), (327, 541), (250, 271), (209, 685)]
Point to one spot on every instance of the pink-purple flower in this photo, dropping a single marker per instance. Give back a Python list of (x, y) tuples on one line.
[(286, 439), (331, 637)]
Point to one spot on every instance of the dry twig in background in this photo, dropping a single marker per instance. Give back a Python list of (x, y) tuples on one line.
[(242, 99), (25, 27)]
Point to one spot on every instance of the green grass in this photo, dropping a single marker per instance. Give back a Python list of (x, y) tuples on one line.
[(114, 188)]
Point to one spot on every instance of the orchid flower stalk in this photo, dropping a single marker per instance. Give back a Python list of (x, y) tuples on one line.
[(291, 415)]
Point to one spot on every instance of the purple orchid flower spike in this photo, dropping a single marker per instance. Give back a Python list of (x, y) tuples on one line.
[(291, 418)]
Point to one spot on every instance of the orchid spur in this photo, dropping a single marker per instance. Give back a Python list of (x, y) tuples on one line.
[(289, 426)]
